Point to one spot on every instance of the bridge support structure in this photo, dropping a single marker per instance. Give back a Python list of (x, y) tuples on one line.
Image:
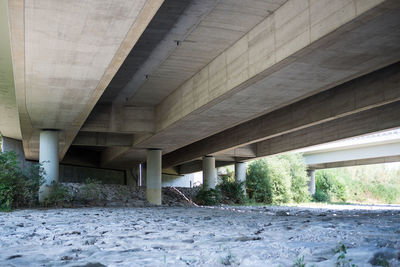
[(240, 174), (153, 176), (209, 172), (311, 183), (48, 157)]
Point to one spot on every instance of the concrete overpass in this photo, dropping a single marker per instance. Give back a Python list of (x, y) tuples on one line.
[(183, 85), (372, 149), (376, 148)]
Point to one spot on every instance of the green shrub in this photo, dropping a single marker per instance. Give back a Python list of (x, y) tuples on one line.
[(299, 177), (58, 194), (321, 196), (231, 190), (258, 185), (208, 197), (18, 187), (278, 179), (328, 188)]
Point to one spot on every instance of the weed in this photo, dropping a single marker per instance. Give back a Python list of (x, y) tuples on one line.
[(229, 259), (300, 262), (58, 194), (341, 260)]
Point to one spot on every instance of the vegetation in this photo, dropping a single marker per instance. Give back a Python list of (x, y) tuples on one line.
[(18, 187), (341, 260), (228, 191), (328, 188), (278, 179), (90, 191), (208, 197), (58, 195), (231, 191), (361, 184)]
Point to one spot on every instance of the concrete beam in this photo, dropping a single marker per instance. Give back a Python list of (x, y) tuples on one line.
[(357, 153), (369, 91), (120, 119), (365, 122), (349, 163), (273, 43), (60, 72), (197, 165), (9, 121), (103, 139), (209, 102)]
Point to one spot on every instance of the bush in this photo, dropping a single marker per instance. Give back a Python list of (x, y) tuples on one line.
[(231, 190), (328, 188), (208, 197), (257, 182), (18, 187), (58, 194), (278, 179), (299, 177)]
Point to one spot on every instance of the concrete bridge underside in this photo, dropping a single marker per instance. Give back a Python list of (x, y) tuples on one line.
[(232, 80), (384, 151)]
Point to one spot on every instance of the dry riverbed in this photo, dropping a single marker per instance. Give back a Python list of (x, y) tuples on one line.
[(181, 236)]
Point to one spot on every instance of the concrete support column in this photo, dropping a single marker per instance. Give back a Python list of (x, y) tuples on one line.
[(240, 174), (209, 172), (153, 176), (48, 157), (311, 183)]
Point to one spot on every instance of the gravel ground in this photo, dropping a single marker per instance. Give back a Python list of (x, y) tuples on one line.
[(180, 236)]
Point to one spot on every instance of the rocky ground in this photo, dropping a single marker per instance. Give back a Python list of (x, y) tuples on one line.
[(198, 236)]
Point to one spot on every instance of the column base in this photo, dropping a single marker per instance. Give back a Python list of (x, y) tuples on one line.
[(153, 196)]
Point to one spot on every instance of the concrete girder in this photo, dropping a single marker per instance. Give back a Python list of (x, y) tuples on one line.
[(103, 139), (9, 121), (197, 165), (365, 122), (52, 91), (293, 27), (375, 89), (337, 157), (120, 119), (358, 162), (364, 40)]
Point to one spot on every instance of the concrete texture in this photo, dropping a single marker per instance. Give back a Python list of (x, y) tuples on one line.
[(193, 78), (311, 182), (341, 53), (177, 180), (349, 163), (49, 160), (153, 176), (65, 55), (240, 174), (209, 172), (9, 122), (9, 144), (366, 122), (358, 153), (375, 89)]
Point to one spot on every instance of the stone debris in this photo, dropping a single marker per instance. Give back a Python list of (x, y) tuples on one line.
[(198, 236), (113, 195)]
